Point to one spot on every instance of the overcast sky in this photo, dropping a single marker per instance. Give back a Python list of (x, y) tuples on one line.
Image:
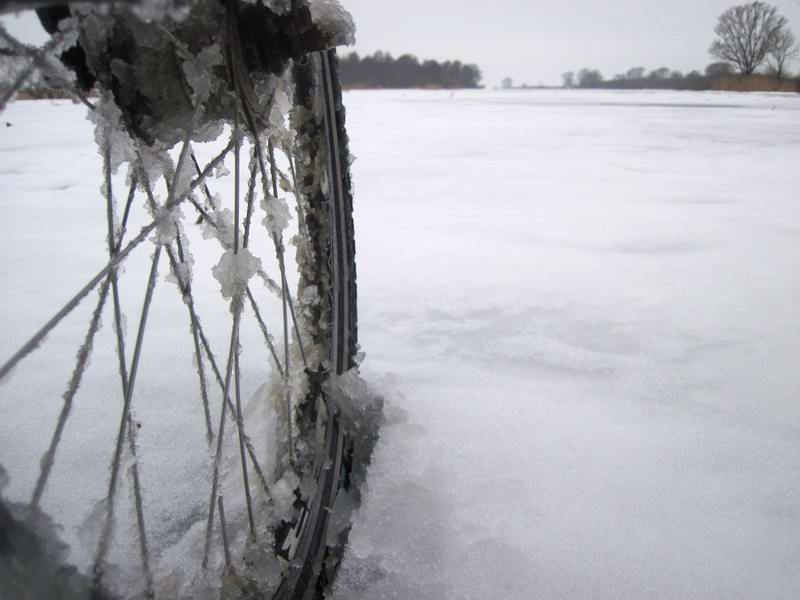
[(534, 41)]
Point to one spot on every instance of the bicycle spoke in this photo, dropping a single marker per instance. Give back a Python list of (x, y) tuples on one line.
[(199, 170), (197, 331), (220, 436), (238, 300), (220, 381), (270, 283), (279, 244), (224, 528), (251, 193), (144, 552), (126, 408), (35, 62), (105, 539), (75, 381), (37, 338), (264, 330), (284, 288), (186, 292)]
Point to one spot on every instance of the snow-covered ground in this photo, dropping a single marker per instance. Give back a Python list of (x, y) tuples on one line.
[(584, 308)]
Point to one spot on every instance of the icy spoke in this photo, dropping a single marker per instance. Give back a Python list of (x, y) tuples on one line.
[(220, 435), (144, 552), (198, 329), (284, 289), (35, 62), (287, 297), (243, 456), (199, 170), (123, 227), (251, 194), (270, 283), (224, 528), (105, 539), (221, 383), (186, 292), (237, 374), (37, 338), (83, 356), (125, 417), (215, 162), (264, 331)]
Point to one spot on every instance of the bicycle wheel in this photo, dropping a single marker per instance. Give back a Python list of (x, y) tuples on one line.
[(174, 84)]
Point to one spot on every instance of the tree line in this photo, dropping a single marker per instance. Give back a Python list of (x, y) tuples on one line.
[(639, 78), (750, 39), (381, 70)]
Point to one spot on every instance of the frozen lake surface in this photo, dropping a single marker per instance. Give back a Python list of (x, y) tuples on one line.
[(584, 308)]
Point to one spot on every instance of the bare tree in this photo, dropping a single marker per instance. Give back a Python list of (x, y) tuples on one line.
[(507, 83), (784, 48), (718, 69), (746, 35), (589, 78), (635, 73), (661, 73), (569, 79)]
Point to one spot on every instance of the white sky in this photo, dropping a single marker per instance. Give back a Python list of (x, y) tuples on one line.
[(534, 41)]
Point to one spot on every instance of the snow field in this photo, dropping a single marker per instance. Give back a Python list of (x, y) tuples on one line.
[(587, 303), (582, 307)]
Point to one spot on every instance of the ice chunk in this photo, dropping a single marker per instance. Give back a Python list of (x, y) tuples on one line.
[(183, 180), (283, 495), (234, 271), (335, 21), (199, 72), (278, 6), (278, 215), (110, 131), (222, 227), (167, 224)]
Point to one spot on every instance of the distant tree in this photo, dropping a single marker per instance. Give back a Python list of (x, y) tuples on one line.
[(661, 73), (620, 77), (507, 83), (784, 49), (406, 71), (718, 69), (471, 76), (746, 34), (589, 78), (569, 79), (635, 73), (431, 74), (696, 81)]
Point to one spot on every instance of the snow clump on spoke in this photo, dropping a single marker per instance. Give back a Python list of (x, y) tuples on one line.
[(199, 72), (234, 271), (278, 215)]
